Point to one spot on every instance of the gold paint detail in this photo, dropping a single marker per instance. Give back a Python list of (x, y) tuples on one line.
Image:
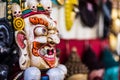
[(9, 17), (9, 6), (18, 23), (9, 12)]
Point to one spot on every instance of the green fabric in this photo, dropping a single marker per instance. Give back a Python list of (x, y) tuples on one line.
[(16, 1), (111, 74), (26, 11), (40, 8), (108, 59)]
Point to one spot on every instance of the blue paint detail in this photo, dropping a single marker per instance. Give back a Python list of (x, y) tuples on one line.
[(45, 77)]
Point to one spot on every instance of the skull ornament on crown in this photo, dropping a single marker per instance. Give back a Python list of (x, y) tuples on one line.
[(36, 36)]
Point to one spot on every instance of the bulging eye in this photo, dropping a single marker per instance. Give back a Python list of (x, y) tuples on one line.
[(40, 31)]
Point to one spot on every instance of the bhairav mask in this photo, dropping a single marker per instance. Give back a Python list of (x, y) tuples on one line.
[(36, 35)]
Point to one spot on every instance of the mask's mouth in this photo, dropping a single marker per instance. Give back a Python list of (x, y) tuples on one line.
[(46, 52)]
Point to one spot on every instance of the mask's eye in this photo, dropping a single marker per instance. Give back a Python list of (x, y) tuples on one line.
[(40, 31), (15, 12)]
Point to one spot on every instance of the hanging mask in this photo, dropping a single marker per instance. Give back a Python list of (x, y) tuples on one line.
[(36, 35), (70, 13), (88, 13), (6, 37)]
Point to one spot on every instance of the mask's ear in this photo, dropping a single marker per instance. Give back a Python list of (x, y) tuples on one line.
[(21, 41), (20, 37)]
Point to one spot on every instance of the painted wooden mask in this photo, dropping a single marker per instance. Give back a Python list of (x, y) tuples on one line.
[(36, 35)]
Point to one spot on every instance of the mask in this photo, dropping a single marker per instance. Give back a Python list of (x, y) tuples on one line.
[(6, 37), (36, 36)]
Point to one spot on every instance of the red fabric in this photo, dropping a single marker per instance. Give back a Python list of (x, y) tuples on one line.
[(65, 47)]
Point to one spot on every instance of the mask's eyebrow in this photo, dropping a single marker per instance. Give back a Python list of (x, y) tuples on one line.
[(36, 20)]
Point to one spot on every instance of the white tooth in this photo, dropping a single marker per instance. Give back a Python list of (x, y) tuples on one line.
[(52, 56), (46, 55), (49, 56)]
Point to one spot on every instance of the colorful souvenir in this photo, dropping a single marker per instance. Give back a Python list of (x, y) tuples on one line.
[(88, 12), (77, 70), (111, 66), (36, 36), (69, 13)]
